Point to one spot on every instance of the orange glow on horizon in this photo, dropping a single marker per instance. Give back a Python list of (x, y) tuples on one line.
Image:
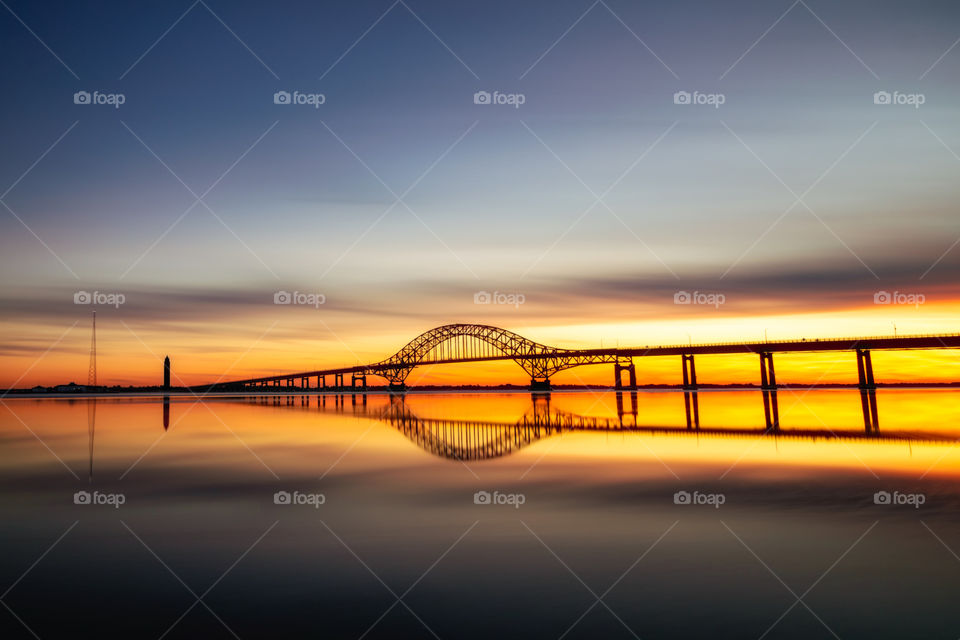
[(253, 346)]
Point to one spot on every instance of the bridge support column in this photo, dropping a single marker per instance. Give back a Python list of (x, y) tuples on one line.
[(618, 370), (338, 381), (768, 378), (398, 387), (361, 377), (865, 370), (689, 373), (540, 386)]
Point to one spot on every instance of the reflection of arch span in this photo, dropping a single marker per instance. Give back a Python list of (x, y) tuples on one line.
[(480, 439)]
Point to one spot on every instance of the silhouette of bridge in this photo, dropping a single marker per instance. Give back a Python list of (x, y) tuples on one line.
[(460, 343)]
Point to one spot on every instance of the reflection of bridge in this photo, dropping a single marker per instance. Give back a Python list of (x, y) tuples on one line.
[(463, 439)]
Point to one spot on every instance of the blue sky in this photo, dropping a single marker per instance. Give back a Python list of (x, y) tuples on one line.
[(598, 187)]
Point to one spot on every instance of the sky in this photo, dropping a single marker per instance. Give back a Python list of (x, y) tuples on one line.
[(788, 197)]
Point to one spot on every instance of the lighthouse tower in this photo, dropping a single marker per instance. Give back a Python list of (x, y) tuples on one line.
[(166, 372)]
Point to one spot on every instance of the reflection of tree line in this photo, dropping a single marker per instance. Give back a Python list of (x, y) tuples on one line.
[(460, 439)]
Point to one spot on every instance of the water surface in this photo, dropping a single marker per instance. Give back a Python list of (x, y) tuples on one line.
[(471, 515)]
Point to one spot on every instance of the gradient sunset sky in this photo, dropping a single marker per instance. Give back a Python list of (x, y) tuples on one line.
[(399, 198)]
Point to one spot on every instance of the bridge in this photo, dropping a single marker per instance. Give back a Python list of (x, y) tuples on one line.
[(460, 343)]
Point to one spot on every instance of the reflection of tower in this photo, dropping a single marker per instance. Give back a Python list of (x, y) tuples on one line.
[(91, 428), (166, 412), (166, 372), (92, 371)]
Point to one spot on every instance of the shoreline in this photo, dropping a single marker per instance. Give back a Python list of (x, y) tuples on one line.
[(384, 389)]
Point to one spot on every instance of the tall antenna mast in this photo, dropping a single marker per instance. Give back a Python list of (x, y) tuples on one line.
[(92, 372)]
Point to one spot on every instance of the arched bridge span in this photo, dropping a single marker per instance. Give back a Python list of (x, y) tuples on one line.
[(453, 343)]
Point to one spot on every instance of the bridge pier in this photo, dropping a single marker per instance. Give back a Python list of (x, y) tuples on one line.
[(768, 378), (618, 370), (540, 386), (338, 381), (689, 372), (865, 370), (361, 377), (398, 387)]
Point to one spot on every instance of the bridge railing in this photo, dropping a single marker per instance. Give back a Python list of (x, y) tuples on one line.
[(800, 341)]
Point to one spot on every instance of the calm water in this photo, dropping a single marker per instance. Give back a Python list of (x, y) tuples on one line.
[(479, 515)]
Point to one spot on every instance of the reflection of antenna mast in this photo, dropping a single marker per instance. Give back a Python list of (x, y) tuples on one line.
[(92, 382), (92, 372), (91, 428)]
